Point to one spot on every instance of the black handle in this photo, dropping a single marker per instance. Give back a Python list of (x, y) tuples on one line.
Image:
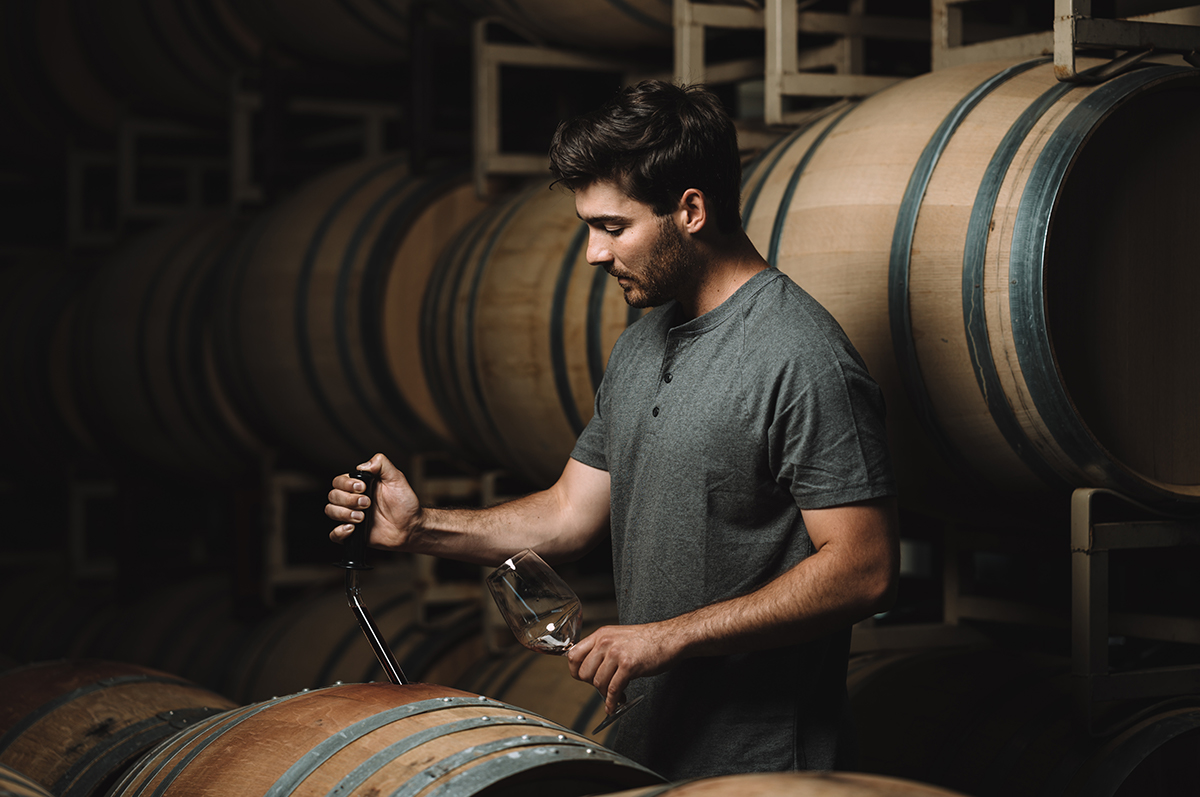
[(355, 553)]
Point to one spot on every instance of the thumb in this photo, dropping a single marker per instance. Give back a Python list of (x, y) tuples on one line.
[(381, 466)]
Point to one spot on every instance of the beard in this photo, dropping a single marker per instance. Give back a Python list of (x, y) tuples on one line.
[(667, 268)]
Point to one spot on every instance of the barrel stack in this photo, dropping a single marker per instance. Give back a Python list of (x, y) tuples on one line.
[(1009, 252)]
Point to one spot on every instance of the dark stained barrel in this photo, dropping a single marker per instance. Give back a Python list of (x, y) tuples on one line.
[(993, 721), (1005, 252), (76, 726), (362, 739), (188, 628), (595, 24), (145, 354), (39, 411)]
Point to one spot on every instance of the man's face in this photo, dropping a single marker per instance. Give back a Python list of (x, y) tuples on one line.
[(648, 254)]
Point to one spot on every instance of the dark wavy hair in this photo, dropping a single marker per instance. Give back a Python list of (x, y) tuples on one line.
[(655, 140)]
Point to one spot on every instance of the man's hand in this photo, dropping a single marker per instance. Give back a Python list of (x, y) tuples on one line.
[(616, 654), (397, 510)]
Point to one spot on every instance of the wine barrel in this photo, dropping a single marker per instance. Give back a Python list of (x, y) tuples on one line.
[(596, 24), (792, 784), (320, 312), (1004, 251), (356, 32), (542, 684), (517, 328), (144, 354), (175, 58), (316, 641), (991, 721), (360, 739), (38, 414), (43, 616), (187, 629), (14, 784), (75, 726), (50, 87)]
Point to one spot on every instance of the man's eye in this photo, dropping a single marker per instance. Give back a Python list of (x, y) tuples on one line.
[(614, 230)]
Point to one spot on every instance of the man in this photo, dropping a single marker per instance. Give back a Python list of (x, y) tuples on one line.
[(736, 454)]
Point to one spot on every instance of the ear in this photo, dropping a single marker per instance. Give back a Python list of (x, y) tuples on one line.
[(693, 210)]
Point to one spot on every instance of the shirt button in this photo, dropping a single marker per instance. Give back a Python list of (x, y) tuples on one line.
[(667, 377), (655, 412)]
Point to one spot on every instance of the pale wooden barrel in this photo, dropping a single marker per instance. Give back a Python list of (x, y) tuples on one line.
[(316, 641), (15, 784), (517, 329), (994, 721), (1005, 252), (366, 739), (144, 359), (607, 24), (792, 784), (321, 311), (76, 726)]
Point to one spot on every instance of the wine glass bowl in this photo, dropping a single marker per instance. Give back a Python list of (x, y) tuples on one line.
[(541, 609)]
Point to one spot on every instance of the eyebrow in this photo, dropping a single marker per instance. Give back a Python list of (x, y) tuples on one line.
[(608, 217)]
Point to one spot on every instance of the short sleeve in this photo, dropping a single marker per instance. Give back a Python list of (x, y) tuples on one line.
[(829, 439), (590, 447)]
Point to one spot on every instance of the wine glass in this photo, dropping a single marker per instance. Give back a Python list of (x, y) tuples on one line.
[(543, 612)]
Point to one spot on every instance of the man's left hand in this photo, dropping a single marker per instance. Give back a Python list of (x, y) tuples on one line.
[(616, 654)]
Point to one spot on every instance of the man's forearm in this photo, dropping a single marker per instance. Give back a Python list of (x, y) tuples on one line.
[(560, 523)]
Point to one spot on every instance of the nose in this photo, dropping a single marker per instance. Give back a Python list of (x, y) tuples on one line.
[(598, 252)]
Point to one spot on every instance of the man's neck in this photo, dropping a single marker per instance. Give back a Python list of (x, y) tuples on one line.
[(728, 264)]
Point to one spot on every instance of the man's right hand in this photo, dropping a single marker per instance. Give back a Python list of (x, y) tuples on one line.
[(397, 510)]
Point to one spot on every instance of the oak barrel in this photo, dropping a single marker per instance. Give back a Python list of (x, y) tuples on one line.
[(357, 32), (363, 739), (316, 641), (992, 721), (542, 684), (517, 328), (15, 784), (38, 411), (1005, 252), (76, 726), (597, 24), (188, 629), (144, 354), (320, 311), (175, 59), (792, 784)]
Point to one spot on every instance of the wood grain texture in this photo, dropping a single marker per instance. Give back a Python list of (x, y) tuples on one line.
[(381, 739), (76, 726)]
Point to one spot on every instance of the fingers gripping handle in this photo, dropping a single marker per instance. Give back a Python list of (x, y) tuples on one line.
[(355, 559), (354, 554)]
